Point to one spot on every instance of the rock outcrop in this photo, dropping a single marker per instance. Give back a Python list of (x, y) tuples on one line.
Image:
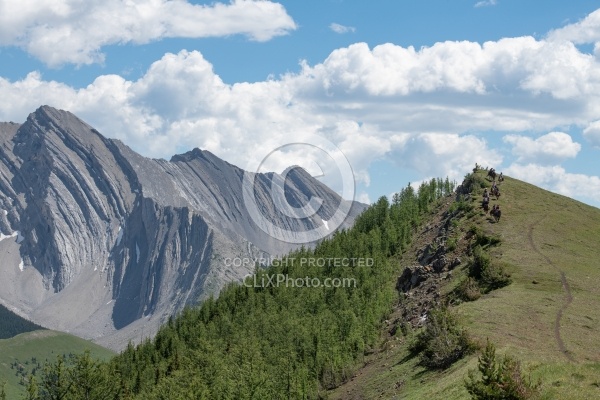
[(106, 244), (421, 282)]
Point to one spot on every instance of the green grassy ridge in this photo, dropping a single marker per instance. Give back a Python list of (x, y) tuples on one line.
[(43, 345), (521, 317), (565, 232)]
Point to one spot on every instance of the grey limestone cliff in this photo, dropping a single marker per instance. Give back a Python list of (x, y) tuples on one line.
[(104, 243)]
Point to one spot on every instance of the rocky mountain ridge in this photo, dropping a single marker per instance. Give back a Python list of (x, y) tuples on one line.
[(102, 242)]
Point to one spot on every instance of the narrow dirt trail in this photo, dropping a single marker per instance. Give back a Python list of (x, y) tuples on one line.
[(568, 296)]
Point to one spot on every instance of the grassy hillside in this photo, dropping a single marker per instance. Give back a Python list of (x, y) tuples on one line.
[(41, 345), (547, 318)]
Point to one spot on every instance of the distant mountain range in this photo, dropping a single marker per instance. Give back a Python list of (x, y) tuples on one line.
[(101, 242)]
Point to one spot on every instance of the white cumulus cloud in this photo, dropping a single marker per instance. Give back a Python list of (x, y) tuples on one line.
[(437, 154), (74, 31), (551, 148), (592, 133), (521, 65), (421, 108), (585, 31)]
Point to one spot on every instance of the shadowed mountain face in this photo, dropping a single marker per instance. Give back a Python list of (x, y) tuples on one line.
[(104, 243)]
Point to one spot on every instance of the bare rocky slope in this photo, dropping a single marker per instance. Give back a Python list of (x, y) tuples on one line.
[(101, 242)]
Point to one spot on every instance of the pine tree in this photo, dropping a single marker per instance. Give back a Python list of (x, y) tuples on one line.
[(490, 375), (32, 391), (90, 378), (55, 383), (500, 379)]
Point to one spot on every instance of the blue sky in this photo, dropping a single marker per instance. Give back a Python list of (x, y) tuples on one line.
[(407, 90)]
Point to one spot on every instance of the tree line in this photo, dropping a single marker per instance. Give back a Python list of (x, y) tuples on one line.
[(255, 342)]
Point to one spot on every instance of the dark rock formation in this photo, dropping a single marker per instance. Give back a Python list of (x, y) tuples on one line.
[(412, 276)]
